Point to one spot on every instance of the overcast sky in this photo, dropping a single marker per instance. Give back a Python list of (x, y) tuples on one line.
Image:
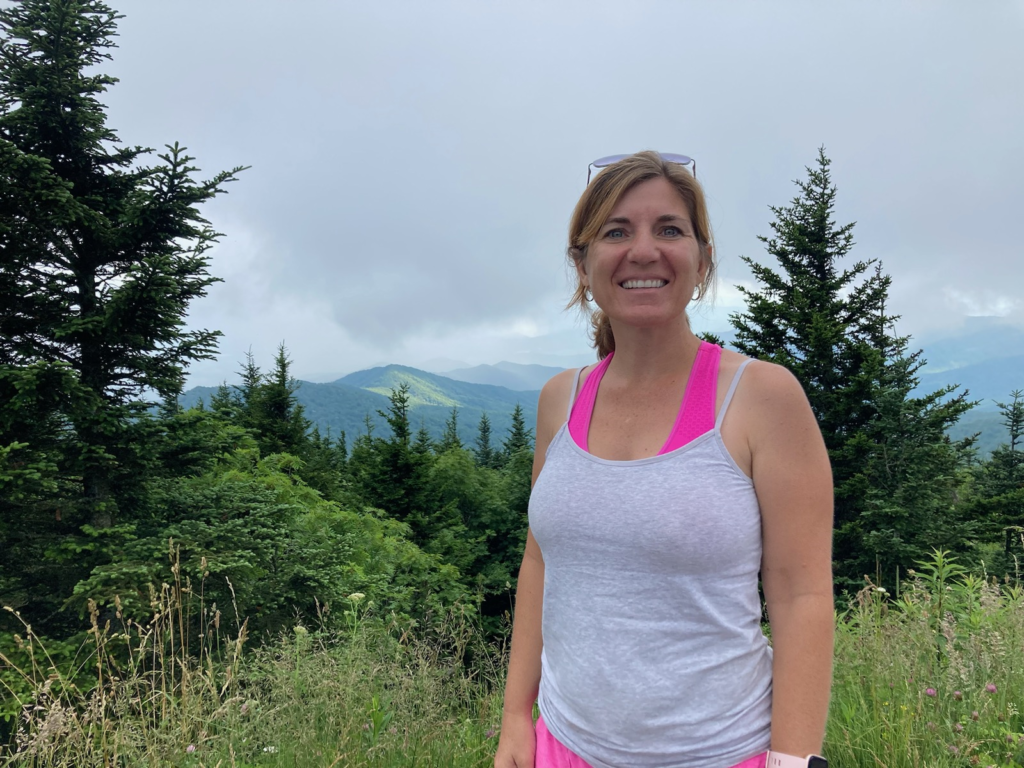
[(414, 165)]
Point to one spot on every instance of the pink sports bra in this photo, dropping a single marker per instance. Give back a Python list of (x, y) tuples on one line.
[(696, 414)]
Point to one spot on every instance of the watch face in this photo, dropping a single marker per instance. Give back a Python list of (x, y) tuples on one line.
[(817, 762)]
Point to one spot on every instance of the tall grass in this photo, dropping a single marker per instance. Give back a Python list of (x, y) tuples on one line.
[(931, 678), (177, 692)]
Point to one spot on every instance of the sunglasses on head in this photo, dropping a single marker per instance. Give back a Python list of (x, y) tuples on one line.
[(668, 157)]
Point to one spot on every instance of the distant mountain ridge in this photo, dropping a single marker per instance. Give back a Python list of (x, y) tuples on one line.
[(526, 378), (346, 404), (987, 359)]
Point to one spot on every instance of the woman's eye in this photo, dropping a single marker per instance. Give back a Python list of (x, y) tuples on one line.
[(673, 231), (614, 234)]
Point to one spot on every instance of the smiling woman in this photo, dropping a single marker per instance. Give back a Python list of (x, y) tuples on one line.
[(593, 222), (668, 479)]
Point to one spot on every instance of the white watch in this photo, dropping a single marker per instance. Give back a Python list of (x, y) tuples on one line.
[(782, 760)]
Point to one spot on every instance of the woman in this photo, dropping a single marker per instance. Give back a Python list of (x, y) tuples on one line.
[(666, 479)]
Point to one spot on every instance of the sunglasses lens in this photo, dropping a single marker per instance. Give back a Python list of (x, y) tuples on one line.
[(606, 161), (672, 158)]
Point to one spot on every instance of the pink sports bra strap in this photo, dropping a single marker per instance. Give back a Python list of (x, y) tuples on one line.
[(697, 414), (583, 408)]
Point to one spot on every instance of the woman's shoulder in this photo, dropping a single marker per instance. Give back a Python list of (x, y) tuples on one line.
[(555, 394), (765, 388)]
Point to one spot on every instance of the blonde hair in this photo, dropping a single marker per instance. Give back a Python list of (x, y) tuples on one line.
[(596, 205)]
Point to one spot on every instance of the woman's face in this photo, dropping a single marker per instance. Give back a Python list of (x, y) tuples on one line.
[(645, 264)]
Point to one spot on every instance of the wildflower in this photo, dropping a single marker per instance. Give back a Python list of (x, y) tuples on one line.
[(957, 695), (953, 748), (190, 748), (881, 590), (957, 727), (991, 688), (355, 597), (244, 709), (974, 715), (929, 692), (270, 750), (931, 726), (490, 733)]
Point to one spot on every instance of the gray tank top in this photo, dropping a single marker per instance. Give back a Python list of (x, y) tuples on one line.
[(653, 653)]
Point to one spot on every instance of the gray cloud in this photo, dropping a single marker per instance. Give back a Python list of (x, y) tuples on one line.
[(414, 165)]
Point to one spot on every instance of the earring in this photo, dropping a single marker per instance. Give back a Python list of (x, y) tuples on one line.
[(587, 295)]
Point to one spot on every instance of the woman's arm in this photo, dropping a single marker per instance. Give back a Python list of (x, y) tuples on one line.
[(793, 481), (517, 744)]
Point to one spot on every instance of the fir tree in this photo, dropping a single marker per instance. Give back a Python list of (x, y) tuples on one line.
[(450, 439), (484, 453), (1005, 470), (827, 323), (103, 250), (519, 437), (102, 254), (266, 405)]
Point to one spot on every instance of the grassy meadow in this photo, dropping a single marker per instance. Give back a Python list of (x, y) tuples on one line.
[(928, 678)]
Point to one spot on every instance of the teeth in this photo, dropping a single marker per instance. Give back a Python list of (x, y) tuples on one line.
[(644, 283)]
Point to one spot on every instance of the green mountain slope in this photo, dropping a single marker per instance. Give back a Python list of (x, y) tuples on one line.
[(343, 405)]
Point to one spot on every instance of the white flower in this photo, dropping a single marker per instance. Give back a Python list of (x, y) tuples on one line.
[(355, 597)]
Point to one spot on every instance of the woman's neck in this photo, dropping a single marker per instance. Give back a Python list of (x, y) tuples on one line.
[(653, 353)]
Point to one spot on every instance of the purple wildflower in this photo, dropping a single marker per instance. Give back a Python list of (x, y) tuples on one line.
[(490, 733), (957, 727), (929, 692), (991, 688), (974, 715), (957, 695), (190, 748)]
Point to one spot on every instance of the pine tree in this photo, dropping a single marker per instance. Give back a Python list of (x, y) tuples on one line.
[(1005, 470), (450, 439), (102, 254), (827, 323), (103, 250), (519, 437), (423, 444), (484, 453)]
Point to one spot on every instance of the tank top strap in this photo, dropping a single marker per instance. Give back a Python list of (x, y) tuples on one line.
[(572, 393), (581, 411), (731, 392), (697, 411)]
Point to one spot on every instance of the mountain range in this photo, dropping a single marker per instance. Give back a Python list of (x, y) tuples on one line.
[(987, 360)]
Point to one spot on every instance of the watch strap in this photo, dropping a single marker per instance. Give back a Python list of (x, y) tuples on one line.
[(782, 760)]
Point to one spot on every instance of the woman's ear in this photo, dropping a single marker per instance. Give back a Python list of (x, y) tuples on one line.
[(579, 260), (706, 259)]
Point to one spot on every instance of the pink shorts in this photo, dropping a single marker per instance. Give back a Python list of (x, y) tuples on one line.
[(551, 753)]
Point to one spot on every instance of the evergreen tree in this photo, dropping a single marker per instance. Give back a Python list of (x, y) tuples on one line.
[(519, 437), (485, 454), (424, 444), (827, 323), (271, 409), (1005, 470), (914, 474), (450, 439), (102, 255)]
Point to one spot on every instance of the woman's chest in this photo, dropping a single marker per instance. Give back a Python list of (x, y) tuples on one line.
[(629, 425), (679, 512)]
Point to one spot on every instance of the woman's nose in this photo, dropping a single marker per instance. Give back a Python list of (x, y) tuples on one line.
[(643, 248)]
